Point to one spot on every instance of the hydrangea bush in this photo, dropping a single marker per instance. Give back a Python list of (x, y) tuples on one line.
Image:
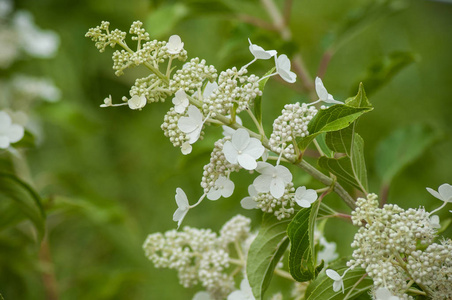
[(398, 253)]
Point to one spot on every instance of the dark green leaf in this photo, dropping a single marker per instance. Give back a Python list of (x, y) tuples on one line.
[(265, 252), (302, 260), (258, 100), (340, 141), (323, 145)]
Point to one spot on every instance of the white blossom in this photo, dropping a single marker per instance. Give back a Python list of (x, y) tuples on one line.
[(9, 132), (444, 192), (283, 68), (245, 292), (273, 179), (338, 282), (191, 125), (323, 93), (202, 296), (223, 187), (243, 150), (249, 202), (305, 197), (180, 101), (182, 206), (434, 221), (209, 88), (384, 294), (228, 131), (259, 53), (137, 102), (175, 44), (186, 148)]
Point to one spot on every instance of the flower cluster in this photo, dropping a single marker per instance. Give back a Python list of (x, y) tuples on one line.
[(199, 255)]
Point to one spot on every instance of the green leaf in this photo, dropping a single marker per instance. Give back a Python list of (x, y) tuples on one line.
[(258, 100), (265, 252), (360, 100), (322, 287), (340, 141), (323, 145), (351, 168), (162, 20), (29, 202), (401, 148), (302, 260)]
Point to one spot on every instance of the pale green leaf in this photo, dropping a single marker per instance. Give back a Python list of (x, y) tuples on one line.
[(258, 100), (360, 100), (161, 21)]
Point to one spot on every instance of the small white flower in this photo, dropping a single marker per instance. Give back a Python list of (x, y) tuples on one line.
[(9, 132), (175, 44), (305, 197), (323, 93), (107, 102), (338, 283), (273, 179), (283, 69), (444, 192), (328, 252), (243, 150), (202, 296), (434, 221), (245, 292), (249, 202), (384, 294), (228, 131), (180, 101), (137, 102), (191, 125), (186, 148), (223, 187), (182, 206), (259, 52)]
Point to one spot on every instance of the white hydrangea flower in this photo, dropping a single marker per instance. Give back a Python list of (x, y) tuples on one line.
[(384, 294), (137, 102), (9, 132), (175, 44), (228, 131), (243, 150), (323, 93), (223, 187), (434, 221), (305, 197), (249, 202), (283, 68), (328, 252), (338, 282), (259, 52), (245, 292), (186, 148), (191, 125), (180, 101), (182, 206), (202, 296), (273, 179), (209, 88), (444, 192)]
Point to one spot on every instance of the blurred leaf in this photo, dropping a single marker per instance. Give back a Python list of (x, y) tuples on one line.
[(401, 148), (26, 198), (382, 71), (209, 7), (28, 141), (162, 20), (258, 100), (322, 287), (265, 252), (444, 225), (302, 261)]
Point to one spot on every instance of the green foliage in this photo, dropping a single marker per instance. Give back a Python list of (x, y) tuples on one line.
[(258, 100), (302, 258), (161, 21), (265, 252)]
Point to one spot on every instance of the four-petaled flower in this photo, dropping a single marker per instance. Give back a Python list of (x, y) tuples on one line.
[(9, 132), (245, 292), (223, 187), (137, 102), (305, 197), (323, 93), (259, 52), (273, 179), (175, 44), (191, 125), (444, 192), (338, 282), (243, 149), (249, 202), (384, 294), (182, 206), (180, 101), (283, 69)]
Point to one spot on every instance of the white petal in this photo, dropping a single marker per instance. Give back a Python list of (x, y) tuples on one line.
[(283, 69), (4, 142), (445, 190), (228, 188), (181, 198), (202, 296), (310, 196), (434, 193), (5, 120), (248, 203), (240, 139), (236, 295), (252, 191), (337, 286), (230, 152), (254, 148), (262, 183), (265, 168), (330, 99), (259, 52), (187, 124), (277, 187), (246, 161), (214, 193), (195, 134), (210, 87), (320, 89), (300, 192), (333, 274), (180, 109), (383, 293), (288, 76), (284, 174), (174, 44), (303, 203), (195, 113), (137, 102), (16, 133), (179, 214)]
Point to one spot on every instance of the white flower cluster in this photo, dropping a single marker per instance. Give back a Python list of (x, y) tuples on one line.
[(149, 87), (292, 123), (199, 255), (192, 76)]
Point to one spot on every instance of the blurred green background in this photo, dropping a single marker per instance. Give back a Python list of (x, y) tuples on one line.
[(108, 176)]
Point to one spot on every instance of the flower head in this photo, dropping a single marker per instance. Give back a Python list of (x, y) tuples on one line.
[(283, 68), (223, 187), (182, 206), (249, 202), (273, 179), (136, 102), (444, 192), (384, 294), (191, 125), (180, 101), (259, 52), (243, 150), (175, 44), (9, 132), (305, 197), (323, 93), (338, 282)]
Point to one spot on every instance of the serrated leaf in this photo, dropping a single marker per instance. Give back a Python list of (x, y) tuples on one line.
[(258, 100), (351, 169), (322, 287), (402, 147), (29, 202), (302, 260), (265, 252)]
